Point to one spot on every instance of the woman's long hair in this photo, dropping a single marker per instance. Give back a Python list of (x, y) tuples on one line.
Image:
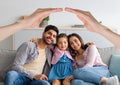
[(83, 46)]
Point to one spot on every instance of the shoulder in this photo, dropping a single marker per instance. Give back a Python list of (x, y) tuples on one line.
[(28, 45)]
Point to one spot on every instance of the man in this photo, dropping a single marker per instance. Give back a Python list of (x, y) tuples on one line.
[(32, 62)]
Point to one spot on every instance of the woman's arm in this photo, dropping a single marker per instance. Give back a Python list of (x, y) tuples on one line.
[(91, 55), (31, 21), (93, 25)]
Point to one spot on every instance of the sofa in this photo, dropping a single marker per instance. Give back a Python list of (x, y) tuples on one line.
[(110, 56)]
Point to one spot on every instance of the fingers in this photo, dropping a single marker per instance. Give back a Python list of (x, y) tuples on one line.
[(51, 9), (69, 78), (41, 77), (48, 10), (75, 11), (82, 15), (44, 77), (42, 13)]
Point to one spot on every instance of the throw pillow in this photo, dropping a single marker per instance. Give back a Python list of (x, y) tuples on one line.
[(115, 65)]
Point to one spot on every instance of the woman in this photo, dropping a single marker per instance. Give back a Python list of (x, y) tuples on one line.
[(90, 69)]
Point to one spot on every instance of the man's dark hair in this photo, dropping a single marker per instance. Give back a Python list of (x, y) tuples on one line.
[(51, 27)]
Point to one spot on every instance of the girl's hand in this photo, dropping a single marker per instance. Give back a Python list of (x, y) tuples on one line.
[(69, 78)]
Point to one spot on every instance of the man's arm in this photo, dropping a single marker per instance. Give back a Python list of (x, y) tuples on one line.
[(93, 25), (31, 21), (22, 55)]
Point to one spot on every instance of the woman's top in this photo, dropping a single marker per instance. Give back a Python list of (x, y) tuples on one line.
[(91, 58), (62, 69)]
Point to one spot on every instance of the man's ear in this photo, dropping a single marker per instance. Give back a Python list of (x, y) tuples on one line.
[(43, 34)]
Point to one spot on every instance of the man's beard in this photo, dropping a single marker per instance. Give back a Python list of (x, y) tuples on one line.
[(45, 41)]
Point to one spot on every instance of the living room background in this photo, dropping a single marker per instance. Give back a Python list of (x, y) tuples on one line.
[(105, 11)]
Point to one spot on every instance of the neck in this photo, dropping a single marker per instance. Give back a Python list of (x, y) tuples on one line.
[(41, 44), (80, 51)]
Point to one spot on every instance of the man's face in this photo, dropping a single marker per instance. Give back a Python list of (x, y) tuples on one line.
[(49, 37)]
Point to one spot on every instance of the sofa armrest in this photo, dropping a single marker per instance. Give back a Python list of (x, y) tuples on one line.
[(107, 52), (6, 59)]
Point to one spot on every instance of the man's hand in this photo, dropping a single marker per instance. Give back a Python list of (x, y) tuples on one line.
[(40, 77)]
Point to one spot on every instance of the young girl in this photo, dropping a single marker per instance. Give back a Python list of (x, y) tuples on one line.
[(62, 62)]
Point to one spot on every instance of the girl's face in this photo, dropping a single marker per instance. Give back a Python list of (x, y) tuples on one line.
[(75, 43), (62, 43)]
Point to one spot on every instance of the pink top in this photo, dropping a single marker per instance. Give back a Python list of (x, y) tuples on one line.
[(91, 58), (58, 54)]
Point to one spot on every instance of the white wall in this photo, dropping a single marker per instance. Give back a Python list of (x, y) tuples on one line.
[(87, 36), (106, 11)]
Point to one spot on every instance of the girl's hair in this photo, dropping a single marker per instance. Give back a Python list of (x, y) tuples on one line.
[(60, 36), (83, 46)]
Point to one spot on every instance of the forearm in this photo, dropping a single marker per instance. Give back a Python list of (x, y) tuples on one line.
[(22, 56), (23, 71), (8, 30), (110, 35), (31, 21)]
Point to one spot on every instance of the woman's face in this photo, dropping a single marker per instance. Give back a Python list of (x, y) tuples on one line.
[(75, 43)]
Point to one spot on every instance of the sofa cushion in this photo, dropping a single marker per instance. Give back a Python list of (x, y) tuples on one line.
[(107, 52), (6, 58), (115, 65)]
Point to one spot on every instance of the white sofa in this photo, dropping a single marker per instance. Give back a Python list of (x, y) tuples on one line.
[(7, 56)]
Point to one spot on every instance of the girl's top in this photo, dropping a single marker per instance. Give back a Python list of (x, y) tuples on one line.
[(62, 65), (62, 69), (91, 58), (57, 54)]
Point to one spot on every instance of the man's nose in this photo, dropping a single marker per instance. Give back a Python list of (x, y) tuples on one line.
[(52, 37)]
